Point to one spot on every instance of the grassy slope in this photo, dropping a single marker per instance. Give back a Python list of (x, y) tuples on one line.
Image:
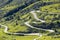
[(49, 38), (51, 8), (4, 36), (17, 27)]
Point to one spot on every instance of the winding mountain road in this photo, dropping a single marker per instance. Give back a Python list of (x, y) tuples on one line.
[(38, 37), (35, 16), (27, 24), (6, 31)]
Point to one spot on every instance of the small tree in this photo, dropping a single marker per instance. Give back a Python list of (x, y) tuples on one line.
[(16, 23)]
